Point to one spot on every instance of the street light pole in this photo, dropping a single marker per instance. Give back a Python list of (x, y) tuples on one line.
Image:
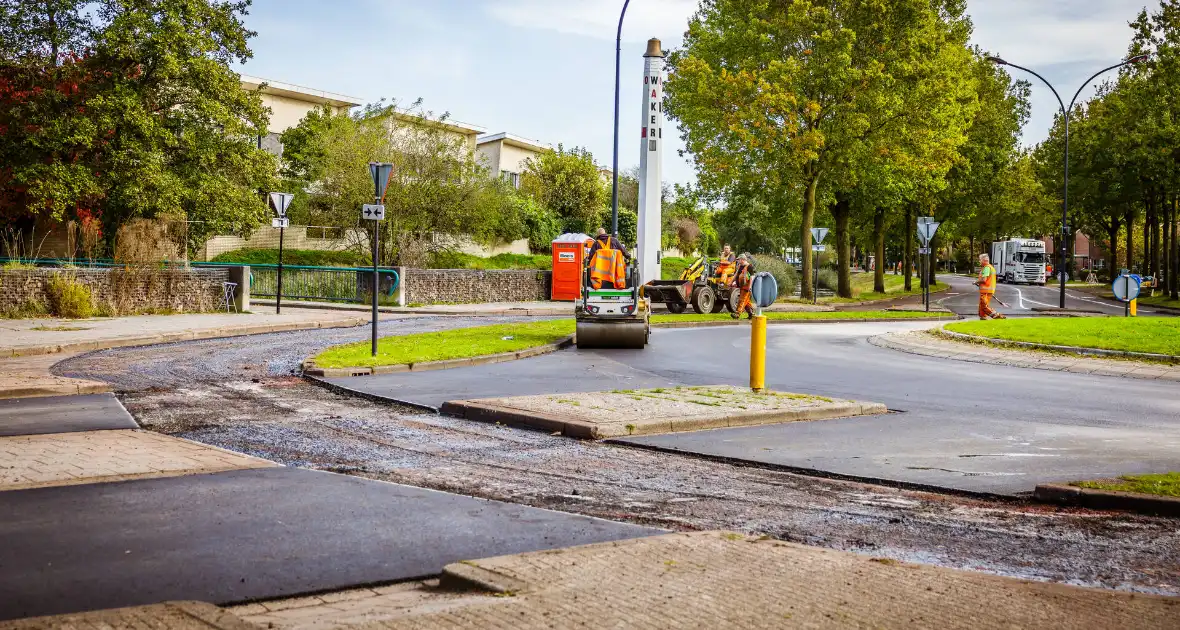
[(614, 190), (1065, 113)]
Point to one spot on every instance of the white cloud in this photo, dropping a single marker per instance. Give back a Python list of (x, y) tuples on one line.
[(665, 19)]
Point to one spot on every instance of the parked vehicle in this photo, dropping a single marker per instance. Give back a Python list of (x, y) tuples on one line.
[(1019, 261)]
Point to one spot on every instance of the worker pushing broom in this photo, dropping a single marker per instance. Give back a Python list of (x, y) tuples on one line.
[(987, 289)]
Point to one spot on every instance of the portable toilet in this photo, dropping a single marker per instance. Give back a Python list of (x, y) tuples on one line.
[(569, 255)]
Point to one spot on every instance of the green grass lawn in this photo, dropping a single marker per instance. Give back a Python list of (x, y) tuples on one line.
[(798, 316), (1159, 300), (1160, 335), (1167, 484), (451, 344)]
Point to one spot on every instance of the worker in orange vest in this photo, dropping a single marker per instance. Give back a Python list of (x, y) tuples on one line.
[(987, 288), (743, 279), (607, 262)]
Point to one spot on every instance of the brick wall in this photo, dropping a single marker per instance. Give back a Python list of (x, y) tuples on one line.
[(125, 291), (430, 286)]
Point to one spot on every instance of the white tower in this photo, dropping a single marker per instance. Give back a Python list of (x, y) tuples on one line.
[(650, 221)]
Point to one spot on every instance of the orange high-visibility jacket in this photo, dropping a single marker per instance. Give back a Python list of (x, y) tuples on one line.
[(608, 265), (987, 279)]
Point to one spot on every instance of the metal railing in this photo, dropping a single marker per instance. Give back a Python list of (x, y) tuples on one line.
[(300, 282)]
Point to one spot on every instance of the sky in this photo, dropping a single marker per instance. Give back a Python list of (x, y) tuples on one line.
[(544, 69)]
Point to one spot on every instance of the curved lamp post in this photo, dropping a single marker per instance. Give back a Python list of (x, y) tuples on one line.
[(614, 189), (1065, 112)]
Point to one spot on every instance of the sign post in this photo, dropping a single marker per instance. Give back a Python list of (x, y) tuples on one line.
[(375, 212), (817, 238), (1126, 289), (927, 226), (763, 293), (279, 202)]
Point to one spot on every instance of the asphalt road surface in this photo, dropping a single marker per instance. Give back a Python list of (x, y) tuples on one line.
[(251, 534), (63, 414), (963, 298), (965, 426)]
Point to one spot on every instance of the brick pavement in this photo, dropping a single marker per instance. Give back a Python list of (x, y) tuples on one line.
[(719, 580), (57, 459), (929, 344), (169, 615)]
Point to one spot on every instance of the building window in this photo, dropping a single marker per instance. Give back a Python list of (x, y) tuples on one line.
[(512, 178)]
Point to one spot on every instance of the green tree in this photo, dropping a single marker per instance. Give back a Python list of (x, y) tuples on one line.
[(567, 182), (130, 110)]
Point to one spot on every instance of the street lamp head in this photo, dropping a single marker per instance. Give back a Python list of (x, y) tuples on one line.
[(1138, 58), (997, 61)]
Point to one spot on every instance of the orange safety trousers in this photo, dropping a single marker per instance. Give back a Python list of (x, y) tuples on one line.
[(985, 305)]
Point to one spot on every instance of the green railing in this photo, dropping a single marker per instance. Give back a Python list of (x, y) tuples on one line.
[(333, 284)]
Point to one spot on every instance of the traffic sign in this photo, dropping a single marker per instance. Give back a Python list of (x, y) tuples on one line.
[(819, 248), (764, 290), (279, 202), (380, 171), (1126, 287), (818, 235), (923, 250), (373, 212), (926, 229), (280, 223)]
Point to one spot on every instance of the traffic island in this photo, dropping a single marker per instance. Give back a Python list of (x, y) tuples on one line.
[(620, 413), (1157, 495)]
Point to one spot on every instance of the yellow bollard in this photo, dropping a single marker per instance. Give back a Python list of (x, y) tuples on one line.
[(758, 353), (1134, 307)]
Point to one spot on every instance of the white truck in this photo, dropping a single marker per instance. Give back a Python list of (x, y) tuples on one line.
[(1019, 261)]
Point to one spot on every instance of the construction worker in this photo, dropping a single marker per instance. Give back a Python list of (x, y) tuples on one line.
[(607, 262), (726, 254), (987, 288), (744, 278)]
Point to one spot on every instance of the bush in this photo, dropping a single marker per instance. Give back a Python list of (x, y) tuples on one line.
[(828, 279), (448, 259), (541, 225), (671, 267), (28, 310), (69, 298), (307, 257), (784, 273)]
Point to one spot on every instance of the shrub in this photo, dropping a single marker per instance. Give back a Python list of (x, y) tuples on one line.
[(828, 279), (449, 259), (308, 257), (671, 267), (69, 298), (784, 273), (30, 309)]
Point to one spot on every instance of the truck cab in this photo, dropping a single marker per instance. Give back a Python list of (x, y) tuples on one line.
[(1019, 261)]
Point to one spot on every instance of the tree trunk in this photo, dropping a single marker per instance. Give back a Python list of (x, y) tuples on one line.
[(842, 212), (1174, 239), (806, 290), (879, 249), (971, 255), (907, 256), (1165, 216), (1112, 252)]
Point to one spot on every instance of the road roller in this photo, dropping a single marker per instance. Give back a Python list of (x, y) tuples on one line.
[(612, 318)]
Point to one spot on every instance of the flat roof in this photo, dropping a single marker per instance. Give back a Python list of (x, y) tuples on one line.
[(519, 141), (299, 92), (449, 124)]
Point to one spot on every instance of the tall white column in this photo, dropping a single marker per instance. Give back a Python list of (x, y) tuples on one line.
[(650, 220)]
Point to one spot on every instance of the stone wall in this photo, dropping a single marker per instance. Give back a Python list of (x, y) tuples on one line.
[(122, 291), (432, 286)]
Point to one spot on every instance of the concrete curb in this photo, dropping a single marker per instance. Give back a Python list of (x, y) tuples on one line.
[(310, 369), (1164, 358), (950, 317), (571, 426), (1108, 500), (188, 335), (41, 391)]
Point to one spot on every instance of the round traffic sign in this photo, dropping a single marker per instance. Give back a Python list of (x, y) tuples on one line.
[(764, 290), (1126, 287)]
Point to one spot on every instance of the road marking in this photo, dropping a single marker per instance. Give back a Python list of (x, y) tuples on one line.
[(1022, 299)]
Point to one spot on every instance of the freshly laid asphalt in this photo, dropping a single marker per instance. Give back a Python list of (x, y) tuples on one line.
[(63, 414), (251, 534), (965, 426), (1025, 299)]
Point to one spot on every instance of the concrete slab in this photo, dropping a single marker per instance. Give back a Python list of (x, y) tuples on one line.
[(252, 534), (63, 414), (170, 615), (617, 413)]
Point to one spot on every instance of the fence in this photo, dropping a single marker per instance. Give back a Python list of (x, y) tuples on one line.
[(330, 284)]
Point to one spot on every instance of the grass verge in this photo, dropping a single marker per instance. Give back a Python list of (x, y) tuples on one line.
[(799, 316), (1156, 335), (451, 344), (1164, 485)]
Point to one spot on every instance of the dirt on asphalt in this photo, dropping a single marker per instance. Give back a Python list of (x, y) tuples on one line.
[(244, 395)]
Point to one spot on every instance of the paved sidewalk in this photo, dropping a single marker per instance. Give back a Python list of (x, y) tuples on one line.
[(58, 459), (169, 615), (29, 347), (716, 580), (925, 343)]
